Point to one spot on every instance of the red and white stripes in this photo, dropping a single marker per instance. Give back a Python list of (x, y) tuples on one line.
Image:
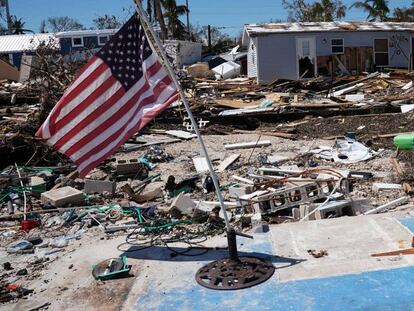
[(96, 115)]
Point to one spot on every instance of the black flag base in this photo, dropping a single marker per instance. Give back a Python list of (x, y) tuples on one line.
[(234, 272)]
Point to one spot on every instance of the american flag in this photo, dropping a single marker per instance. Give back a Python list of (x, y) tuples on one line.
[(115, 95)]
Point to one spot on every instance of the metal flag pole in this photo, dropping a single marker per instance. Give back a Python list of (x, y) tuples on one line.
[(234, 270), (173, 76)]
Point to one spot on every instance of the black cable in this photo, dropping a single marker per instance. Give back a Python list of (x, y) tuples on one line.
[(173, 234)]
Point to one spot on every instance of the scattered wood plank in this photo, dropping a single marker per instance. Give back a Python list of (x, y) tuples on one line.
[(243, 180), (275, 134), (396, 165), (227, 162), (252, 144), (181, 134), (200, 164), (390, 135)]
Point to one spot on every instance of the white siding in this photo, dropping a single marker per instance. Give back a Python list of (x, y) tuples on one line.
[(276, 53), (252, 58), (183, 52)]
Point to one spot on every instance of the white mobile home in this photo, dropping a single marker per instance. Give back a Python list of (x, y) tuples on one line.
[(306, 50)]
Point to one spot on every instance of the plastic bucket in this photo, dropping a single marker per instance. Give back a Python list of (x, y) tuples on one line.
[(28, 224)]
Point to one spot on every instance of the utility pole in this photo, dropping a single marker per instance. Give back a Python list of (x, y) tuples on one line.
[(209, 37), (9, 22), (188, 20)]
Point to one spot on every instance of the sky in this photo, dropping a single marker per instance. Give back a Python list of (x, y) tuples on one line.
[(231, 14)]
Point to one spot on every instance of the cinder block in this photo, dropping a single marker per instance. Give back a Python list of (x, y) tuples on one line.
[(296, 212), (236, 192), (62, 196), (182, 205), (100, 186), (335, 209), (127, 166), (383, 186), (305, 210), (257, 224)]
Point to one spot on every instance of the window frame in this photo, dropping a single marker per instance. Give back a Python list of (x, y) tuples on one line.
[(103, 36), (375, 52), (77, 45), (337, 45)]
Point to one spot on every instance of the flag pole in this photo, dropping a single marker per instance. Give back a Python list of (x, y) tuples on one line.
[(226, 273), (173, 76)]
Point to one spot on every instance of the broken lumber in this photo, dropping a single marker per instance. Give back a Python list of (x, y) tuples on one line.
[(275, 134), (227, 162)]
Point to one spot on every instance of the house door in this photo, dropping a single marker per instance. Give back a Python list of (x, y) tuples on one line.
[(306, 57)]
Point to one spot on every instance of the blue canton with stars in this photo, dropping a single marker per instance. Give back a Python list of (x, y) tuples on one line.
[(126, 51)]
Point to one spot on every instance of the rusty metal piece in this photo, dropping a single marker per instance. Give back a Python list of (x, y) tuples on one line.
[(409, 251), (226, 274)]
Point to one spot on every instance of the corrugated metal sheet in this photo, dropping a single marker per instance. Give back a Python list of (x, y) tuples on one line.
[(261, 29), (25, 43)]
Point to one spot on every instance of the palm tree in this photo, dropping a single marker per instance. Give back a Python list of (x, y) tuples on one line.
[(318, 11), (403, 15), (154, 11), (327, 11), (376, 9), (173, 13), (17, 26)]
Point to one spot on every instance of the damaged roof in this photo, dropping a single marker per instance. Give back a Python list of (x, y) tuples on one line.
[(260, 29), (22, 43), (86, 33)]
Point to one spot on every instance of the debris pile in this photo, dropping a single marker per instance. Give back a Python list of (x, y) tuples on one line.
[(289, 151)]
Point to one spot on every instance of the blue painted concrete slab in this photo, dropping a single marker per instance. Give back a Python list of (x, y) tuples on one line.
[(384, 290), (376, 291), (408, 222)]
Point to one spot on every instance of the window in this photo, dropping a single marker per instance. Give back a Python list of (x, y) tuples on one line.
[(77, 41), (102, 40), (381, 52), (305, 48), (337, 46)]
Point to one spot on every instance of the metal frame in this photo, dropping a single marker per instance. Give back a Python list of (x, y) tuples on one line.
[(343, 46), (103, 36)]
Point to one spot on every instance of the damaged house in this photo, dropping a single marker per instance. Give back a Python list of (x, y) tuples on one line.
[(306, 50), (13, 47), (82, 44)]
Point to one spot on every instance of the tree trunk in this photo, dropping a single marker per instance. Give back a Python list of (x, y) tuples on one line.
[(160, 18), (149, 10)]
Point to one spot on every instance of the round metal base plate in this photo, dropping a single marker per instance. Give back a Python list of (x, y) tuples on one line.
[(225, 274)]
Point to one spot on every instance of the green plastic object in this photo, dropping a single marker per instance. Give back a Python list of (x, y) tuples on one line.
[(404, 142), (111, 269)]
